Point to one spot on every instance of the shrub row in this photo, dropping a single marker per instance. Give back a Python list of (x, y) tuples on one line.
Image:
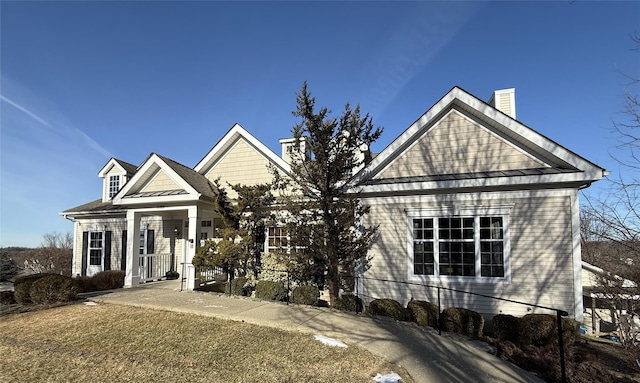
[(271, 290), (42, 288), (104, 280), (537, 329), (453, 319), (237, 287), (348, 302)]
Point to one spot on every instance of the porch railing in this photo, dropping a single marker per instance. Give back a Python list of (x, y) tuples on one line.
[(152, 267)]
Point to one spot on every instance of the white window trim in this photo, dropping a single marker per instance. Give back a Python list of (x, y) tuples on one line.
[(101, 248), (465, 211)]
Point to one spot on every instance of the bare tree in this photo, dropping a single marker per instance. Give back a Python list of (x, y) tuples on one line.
[(53, 256), (610, 224)]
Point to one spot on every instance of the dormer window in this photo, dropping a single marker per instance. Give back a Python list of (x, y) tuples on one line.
[(114, 185)]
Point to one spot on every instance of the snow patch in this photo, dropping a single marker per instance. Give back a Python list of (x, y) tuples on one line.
[(330, 341), (391, 377), (89, 303)]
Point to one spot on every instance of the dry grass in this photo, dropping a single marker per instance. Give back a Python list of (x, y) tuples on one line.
[(117, 343)]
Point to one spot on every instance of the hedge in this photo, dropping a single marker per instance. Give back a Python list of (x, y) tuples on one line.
[(387, 308), (53, 288), (237, 287), (6, 298), (348, 302), (305, 295), (462, 321), (544, 330), (423, 313), (512, 329), (22, 287), (270, 290)]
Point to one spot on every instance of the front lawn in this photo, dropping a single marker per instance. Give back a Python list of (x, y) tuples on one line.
[(118, 343)]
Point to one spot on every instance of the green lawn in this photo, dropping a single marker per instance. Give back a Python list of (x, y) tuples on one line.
[(111, 343)]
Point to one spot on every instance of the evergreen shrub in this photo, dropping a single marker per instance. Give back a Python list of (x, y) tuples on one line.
[(108, 280), (7, 298), (348, 302), (53, 288), (22, 287), (512, 329), (237, 287), (270, 290), (423, 313), (544, 330), (387, 308), (306, 295), (462, 321)]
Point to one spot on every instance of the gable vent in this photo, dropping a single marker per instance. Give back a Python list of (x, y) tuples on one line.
[(505, 101)]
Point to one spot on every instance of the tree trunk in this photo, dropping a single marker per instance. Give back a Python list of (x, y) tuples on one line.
[(333, 283)]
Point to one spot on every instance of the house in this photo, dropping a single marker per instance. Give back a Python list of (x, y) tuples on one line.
[(466, 198)]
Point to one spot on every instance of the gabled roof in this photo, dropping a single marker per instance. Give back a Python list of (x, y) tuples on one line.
[(229, 139), (124, 166), (557, 164), (189, 184)]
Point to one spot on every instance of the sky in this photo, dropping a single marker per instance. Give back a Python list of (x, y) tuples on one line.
[(81, 82)]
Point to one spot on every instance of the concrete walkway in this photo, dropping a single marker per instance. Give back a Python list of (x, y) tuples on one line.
[(427, 356)]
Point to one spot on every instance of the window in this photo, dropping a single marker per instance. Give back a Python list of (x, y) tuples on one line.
[(464, 245), (95, 248), (203, 235), (114, 185), (277, 238), (205, 223)]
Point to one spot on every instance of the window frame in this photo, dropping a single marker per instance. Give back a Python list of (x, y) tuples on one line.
[(99, 248), (114, 185), (458, 211)]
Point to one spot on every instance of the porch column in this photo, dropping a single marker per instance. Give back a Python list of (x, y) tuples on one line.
[(192, 242), (132, 278)]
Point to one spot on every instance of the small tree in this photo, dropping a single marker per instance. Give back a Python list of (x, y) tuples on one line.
[(243, 235), (324, 220)]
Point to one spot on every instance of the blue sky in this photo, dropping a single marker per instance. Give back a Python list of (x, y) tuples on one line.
[(84, 81)]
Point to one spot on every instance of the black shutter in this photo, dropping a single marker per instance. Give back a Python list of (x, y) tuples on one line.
[(123, 262), (150, 241), (85, 251), (107, 250)]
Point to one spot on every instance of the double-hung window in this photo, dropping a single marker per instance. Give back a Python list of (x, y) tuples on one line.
[(95, 248), (276, 239), (459, 243)]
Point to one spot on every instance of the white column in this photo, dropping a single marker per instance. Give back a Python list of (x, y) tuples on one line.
[(132, 278), (192, 241)]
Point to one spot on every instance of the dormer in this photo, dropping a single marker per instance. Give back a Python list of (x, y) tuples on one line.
[(114, 175)]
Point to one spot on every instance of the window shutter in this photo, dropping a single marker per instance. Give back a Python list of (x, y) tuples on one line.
[(107, 250), (85, 251), (123, 262), (150, 241)]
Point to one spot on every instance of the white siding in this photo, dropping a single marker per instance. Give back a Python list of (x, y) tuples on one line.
[(541, 256)]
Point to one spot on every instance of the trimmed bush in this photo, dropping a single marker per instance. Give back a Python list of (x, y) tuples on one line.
[(387, 308), (462, 321), (423, 313), (108, 280), (270, 290), (22, 287), (544, 330), (305, 295), (237, 287), (348, 302), (53, 288), (6, 298), (512, 329), (85, 284)]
